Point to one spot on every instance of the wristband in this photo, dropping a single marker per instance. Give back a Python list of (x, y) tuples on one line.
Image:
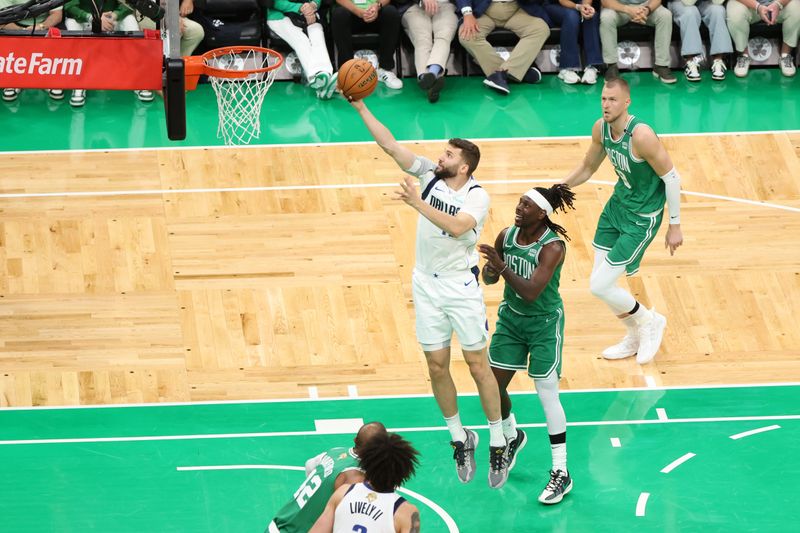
[(466, 10)]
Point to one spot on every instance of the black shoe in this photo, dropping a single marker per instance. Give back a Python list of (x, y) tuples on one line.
[(426, 80), (612, 72), (436, 88), (534, 75), (559, 485), (514, 448), (498, 81), (664, 74)]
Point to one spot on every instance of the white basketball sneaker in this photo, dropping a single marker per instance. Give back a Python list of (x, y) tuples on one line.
[(650, 335), (624, 349)]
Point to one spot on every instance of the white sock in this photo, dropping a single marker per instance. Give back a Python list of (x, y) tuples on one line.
[(510, 427), (630, 324), (642, 315), (496, 437), (457, 433), (559, 452)]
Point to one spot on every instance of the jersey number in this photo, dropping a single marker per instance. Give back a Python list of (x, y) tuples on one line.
[(359, 529), (621, 176), (307, 489)]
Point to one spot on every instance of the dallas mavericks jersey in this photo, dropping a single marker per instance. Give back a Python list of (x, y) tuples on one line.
[(362, 510), (523, 260), (639, 189), (437, 251), (310, 499)]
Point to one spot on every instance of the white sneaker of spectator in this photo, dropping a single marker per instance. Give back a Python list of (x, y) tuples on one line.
[(56, 94), (742, 66), (787, 65), (589, 75), (78, 98), (145, 96), (570, 77), (718, 70), (692, 70), (388, 78), (9, 95)]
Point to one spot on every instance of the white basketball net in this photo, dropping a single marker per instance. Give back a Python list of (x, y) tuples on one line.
[(239, 99)]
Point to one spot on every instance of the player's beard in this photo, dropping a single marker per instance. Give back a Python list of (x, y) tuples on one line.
[(445, 173)]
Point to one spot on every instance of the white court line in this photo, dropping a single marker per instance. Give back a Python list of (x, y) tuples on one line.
[(207, 436), (360, 143), (446, 518), (753, 432), (677, 462), (650, 381), (388, 397), (615, 443), (352, 391), (313, 393), (641, 503), (340, 186), (662, 414)]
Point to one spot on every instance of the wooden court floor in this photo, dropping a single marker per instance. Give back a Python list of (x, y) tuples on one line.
[(145, 282)]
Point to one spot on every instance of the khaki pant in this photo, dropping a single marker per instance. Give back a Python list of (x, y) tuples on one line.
[(191, 36), (430, 35), (661, 18), (740, 17), (532, 32)]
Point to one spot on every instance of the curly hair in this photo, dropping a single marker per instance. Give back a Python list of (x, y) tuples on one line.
[(388, 461)]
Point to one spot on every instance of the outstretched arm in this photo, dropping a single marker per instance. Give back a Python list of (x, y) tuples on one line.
[(591, 162), (647, 146), (402, 155)]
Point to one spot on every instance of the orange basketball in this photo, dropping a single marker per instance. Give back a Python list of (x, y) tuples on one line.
[(357, 79)]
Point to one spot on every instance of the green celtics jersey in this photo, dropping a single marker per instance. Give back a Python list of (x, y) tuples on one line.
[(639, 188), (310, 499), (522, 260)]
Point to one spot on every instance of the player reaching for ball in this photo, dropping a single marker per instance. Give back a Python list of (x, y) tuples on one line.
[(447, 296)]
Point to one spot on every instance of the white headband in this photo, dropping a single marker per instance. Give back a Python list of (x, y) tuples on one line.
[(540, 200)]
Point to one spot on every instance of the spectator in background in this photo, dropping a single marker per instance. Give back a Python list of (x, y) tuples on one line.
[(42, 22), (192, 33), (743, 13), (431, 25), (688, 14), (379, 16), (525, 18), (298, 24), (116, 17), (578, 20), (616, 13)]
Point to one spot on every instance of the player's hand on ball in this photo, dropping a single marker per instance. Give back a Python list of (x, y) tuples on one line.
[(408, 192), (674, 238)]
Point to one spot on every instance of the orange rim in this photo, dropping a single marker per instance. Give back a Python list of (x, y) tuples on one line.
[(196, 66)]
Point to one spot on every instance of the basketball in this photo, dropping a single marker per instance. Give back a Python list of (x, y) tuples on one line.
[(357, 79)]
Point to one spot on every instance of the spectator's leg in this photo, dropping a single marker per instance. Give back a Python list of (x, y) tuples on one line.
[(479, 48), (342, 27), (789, 19), (128, 23), (319, 50), (389, 29), (610, 20), (569, 20), (714, 19), (739, 18), (300, 43), (445, 24), (78, 98), (688, 20), (661, 18), (590, 30), (419, 27), (532, 32), (193, 35)]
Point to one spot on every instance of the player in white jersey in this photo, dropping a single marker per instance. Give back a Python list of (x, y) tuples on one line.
[(447, 296), (373, 506)]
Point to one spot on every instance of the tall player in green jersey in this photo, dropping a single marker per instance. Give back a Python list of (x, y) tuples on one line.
[(530, 322), (324, 474), (632, 216)]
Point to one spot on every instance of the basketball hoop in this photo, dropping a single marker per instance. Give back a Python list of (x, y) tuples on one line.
[(240, 77)]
